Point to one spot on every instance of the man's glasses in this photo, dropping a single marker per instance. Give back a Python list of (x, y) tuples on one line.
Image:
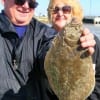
[(66, 9), (32, 4)]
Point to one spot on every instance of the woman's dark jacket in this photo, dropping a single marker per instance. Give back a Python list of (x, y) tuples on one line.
[(96, 60), (22, 75)]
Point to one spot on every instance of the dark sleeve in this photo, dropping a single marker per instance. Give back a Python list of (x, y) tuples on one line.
[(46, 35), (46, 41), (96, 60)]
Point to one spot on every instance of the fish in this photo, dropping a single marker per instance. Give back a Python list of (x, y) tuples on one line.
[(68, 66)]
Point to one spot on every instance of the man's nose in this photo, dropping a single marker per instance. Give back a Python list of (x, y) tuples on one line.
[(26, 4)]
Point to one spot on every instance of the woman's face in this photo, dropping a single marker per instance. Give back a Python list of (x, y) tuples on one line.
[(61, 15)]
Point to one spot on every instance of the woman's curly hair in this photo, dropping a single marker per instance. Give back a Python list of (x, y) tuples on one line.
[(77, 10)]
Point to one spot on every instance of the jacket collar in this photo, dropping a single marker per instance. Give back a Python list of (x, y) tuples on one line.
[(5, 24)]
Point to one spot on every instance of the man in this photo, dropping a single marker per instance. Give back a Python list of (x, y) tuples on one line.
[(23, 45)]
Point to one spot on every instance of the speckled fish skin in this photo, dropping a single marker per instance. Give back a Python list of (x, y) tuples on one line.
[(69, 67)]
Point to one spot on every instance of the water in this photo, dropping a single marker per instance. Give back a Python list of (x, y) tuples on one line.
[(94, 28)]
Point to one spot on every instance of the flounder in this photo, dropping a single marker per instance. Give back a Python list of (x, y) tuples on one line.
[(68, 66)]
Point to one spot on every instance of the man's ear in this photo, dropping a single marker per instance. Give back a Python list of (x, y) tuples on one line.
[(2, 2)]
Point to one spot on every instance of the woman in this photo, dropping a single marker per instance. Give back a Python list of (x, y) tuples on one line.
[(61, 12)]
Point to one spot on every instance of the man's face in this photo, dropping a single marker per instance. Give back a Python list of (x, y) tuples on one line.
[(18, 14)]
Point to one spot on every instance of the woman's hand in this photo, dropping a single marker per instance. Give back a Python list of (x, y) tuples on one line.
[(87, 40)]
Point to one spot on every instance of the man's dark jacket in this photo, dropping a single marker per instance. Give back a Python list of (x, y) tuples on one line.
[(22, 75)]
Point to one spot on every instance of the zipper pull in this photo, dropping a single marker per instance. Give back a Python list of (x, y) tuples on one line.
[(15, 66)]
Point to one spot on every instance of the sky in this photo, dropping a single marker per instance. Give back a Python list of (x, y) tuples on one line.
[(90, 7)]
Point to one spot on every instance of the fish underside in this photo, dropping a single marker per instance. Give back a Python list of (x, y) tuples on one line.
[(68, 66)]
